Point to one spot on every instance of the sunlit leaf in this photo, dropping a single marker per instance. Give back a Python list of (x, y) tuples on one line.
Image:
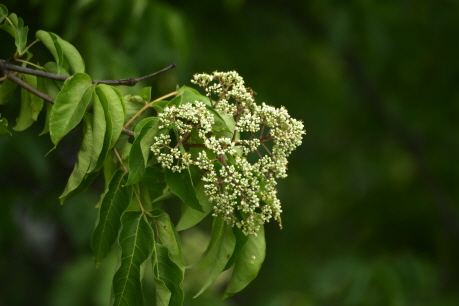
[(114, 203), (102, 125), (70, 105), (72, 56), (110, 97), (181, 184), (78, 180), (136, 242), (168, 278), (248, 264), (52, 43)]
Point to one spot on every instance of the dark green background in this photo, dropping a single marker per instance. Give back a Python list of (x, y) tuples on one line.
[(370, 204)]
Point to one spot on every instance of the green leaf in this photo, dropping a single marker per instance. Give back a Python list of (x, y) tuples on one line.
[(70, 105), (168, 278), (140, 150), (6, 90), (168, 236), (136, 242), (181, 184), (78, 180), (72, 56), (154, 181), (162, 293), (248, 263), (241, 240), (224, 246), (31, 106), (110, 97), (160, 105), (114, 203), (16, 29), (4, 126), (102, 128), (3, 12), (208, 258), (52, 43), (145, 93), (190, 217)]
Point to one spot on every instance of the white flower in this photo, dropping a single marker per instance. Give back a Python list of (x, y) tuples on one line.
[(244, 193)]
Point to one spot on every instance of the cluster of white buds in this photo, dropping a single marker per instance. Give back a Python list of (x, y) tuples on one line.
[(243, 192)]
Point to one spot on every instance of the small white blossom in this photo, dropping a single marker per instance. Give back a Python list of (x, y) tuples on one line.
[(232, 183)]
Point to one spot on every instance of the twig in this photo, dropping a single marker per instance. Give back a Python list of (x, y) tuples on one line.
[(4, 65), (42, 95), (149, 105), (27, 87)]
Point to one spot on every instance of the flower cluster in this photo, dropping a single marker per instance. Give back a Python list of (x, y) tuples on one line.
[(243, 191)]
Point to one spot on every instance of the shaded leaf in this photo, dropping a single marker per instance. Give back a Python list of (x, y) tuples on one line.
[(168, 278), (16, 29), (4, 126), (154, 181), (6, 90), (140, 150), (181, 184), (168, 236), (241, 240), (248, 264), (31, 106), (190, 217), (208, 258), (70, 105), (224, 247), (136, 242), (114, 203), (3, 12), (78, 180)]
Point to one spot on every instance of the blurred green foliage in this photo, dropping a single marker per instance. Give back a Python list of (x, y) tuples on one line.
[(370, 204)]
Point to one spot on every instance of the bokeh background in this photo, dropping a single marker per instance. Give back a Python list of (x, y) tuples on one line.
[(371, 201)]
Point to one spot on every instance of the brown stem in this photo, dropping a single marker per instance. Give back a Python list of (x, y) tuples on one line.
[(4, 66)]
